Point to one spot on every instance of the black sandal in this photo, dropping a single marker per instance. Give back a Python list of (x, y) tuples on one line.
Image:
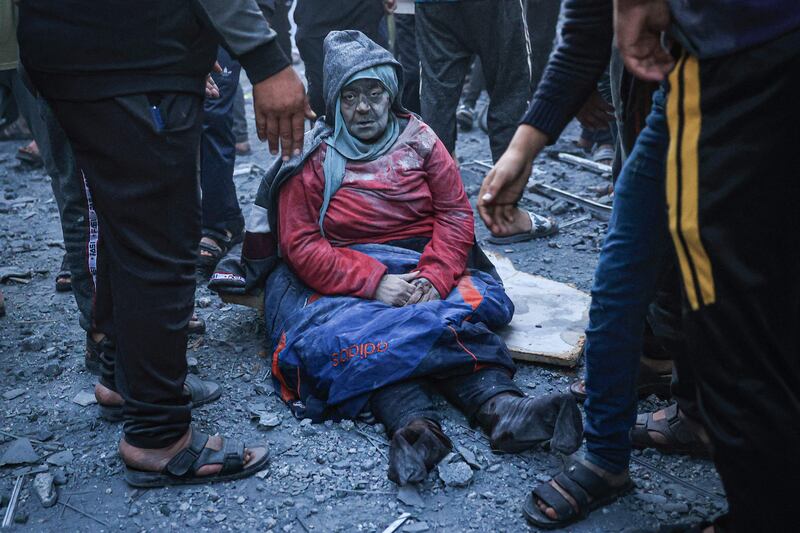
[(206, 263), (182, 469), (201, 391), (679, 436), (589, 490), (64, 277)]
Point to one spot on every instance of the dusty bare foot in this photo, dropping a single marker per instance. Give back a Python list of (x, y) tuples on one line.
[(520, 223), (154, 460)]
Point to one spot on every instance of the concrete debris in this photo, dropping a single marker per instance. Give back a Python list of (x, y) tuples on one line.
[(34, 343), (13, 393), (409, 495), (269, 421), (469, 457), (455, 474), (416, 527), (44, 487), (19, 453), (60, 458), (394, 526), (84, 398)]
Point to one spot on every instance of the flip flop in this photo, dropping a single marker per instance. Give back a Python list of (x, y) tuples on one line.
[(182, 469), (540, 227)]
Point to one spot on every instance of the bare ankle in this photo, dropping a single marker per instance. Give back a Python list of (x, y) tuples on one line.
[(106, 396)]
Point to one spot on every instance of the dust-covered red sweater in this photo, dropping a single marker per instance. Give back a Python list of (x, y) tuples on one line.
[(414, 190)]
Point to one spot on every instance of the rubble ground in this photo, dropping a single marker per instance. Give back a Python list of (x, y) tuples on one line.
[(325, 477)]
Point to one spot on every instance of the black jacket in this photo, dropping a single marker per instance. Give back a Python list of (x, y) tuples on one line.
[(89, 50)]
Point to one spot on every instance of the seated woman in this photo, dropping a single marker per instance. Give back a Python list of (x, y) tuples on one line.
[(383, 296)]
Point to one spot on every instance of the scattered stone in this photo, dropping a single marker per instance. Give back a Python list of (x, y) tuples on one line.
[(456, 474), (469, 457), (192, 363), (651, 498), (269, 421), (262, 474), (676, 507), (559, 207), (44, 435), (13, 393), (19, 453), (270, 523), (134, 510), (220, 518), (409, 495), (240, 500), (43, 486), (347, 424), (416, 527), (53, 370), (21, 518), (203, 302), (34, 343), (61, 458), (494, 468), (84, 398), (59, 476)]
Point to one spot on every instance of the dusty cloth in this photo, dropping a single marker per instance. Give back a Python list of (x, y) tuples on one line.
[(330, 353), (415, 190)]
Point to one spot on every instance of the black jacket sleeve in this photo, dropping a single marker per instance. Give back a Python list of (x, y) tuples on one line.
[(580, 58), (246, 35)]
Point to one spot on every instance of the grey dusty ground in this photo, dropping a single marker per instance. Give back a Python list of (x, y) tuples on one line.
[(328, 477)]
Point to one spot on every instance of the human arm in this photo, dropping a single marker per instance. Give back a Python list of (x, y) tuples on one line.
[(323, 267), (569, 80), (279, 97), (445, 257)]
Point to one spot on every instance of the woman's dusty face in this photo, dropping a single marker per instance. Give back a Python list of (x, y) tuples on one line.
[(365, 107)]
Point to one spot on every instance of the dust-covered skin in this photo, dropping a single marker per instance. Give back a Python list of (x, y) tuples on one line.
[(365, 107), (328, 477)]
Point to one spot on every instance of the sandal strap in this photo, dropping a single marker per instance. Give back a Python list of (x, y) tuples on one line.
[(594, 485), (231, 457), (550, 496), (577, 492), (211, 248), (182, 463)]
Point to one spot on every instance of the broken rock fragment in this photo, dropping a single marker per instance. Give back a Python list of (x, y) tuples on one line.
[(455, 474), (19, 453), (44, 487)]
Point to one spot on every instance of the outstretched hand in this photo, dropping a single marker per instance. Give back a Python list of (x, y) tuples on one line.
[(396, 289), (504, 184), (281, 106), (638, 25)]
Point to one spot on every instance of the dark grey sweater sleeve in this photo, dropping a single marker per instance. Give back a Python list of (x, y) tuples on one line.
[(246, 35), (580, 58)]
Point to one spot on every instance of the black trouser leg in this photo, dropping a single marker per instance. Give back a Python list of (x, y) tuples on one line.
[(406, 52), (444, 63), (665, 317), (143, 181), (475, 85), (398, 404), (468, 392), (732, 194)]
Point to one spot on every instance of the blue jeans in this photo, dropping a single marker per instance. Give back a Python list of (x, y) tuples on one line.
[(221, 209), (625, 282)]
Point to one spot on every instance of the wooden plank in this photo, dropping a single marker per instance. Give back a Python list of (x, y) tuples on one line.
[(549, 320)]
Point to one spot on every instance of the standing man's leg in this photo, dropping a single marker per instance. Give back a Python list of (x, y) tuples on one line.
[(406, 51), (732, 195), (542, 22), (142, 177), (625, 282), (223, 223), (444, 62)]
